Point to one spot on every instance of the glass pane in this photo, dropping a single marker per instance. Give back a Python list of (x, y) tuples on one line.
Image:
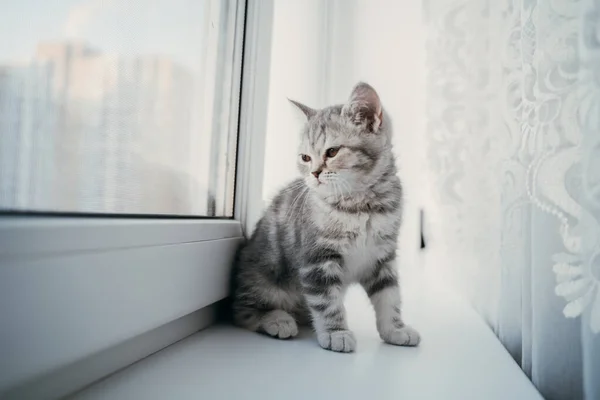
[(125, 107)]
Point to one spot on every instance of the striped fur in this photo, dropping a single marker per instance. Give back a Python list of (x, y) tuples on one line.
[(336, 225)]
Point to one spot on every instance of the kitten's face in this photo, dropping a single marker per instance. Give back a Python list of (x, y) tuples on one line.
[(342, 146)]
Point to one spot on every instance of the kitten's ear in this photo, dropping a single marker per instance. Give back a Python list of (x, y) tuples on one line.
[(364, 107), (309, 112)]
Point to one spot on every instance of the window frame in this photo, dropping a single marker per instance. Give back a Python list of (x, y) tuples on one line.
[(70, 285)]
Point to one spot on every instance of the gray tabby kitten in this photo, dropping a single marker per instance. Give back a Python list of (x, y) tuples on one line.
[(335, 226)]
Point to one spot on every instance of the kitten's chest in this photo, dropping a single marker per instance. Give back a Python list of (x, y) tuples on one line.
[(364, 244)]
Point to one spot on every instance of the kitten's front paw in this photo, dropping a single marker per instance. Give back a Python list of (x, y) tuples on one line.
[(280, 324), (340, 341), (405, 336)]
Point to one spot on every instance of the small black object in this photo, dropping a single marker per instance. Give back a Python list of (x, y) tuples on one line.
[(421, 224)]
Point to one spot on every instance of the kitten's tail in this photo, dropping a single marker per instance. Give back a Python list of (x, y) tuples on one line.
[(247, 317), (232, 310)]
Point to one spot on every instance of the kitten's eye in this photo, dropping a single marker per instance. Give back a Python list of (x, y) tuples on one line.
[(305, 158), (332, 152)]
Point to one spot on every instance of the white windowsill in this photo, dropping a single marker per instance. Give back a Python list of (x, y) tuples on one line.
[(72, 287), (459, 358), (46, 236)]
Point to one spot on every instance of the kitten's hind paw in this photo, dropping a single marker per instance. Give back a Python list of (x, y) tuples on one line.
[(340, 341), (405, 336), (279, 324)]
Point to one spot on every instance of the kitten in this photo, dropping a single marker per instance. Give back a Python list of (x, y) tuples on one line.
[(336, 225)]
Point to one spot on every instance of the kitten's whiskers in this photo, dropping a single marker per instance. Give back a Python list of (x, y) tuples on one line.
[(346, 185), (290, 211), (293, 187)]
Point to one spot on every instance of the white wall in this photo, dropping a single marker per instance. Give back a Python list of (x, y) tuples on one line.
[(296, 73), (320, 50)]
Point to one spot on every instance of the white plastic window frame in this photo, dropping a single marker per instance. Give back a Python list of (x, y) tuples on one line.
[(71, 287)]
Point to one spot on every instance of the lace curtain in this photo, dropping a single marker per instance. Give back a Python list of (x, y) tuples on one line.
[(513, 141)]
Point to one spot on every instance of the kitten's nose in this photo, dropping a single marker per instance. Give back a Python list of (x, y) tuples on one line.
[(317, 173)]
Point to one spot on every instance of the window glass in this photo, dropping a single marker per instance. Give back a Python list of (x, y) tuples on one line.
[(121, 107)]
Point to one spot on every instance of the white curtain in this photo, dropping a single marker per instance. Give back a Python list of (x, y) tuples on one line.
[(513, 144)]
